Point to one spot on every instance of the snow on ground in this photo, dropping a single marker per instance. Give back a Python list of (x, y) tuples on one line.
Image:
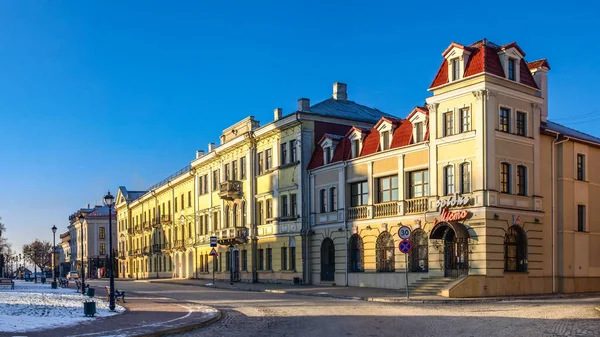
[(32, 306)]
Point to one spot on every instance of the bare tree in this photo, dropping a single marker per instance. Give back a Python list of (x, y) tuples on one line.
[(38, 252)]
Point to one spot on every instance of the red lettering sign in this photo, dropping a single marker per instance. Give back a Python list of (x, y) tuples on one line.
[(446, 216)]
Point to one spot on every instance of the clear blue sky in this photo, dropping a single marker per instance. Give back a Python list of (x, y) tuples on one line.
[(94, 95)]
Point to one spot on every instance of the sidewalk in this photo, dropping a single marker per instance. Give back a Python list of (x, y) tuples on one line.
[(145, 316), (352, 293)]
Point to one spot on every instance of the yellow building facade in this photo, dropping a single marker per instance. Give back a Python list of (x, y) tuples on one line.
[(498, 198), (250, 192)]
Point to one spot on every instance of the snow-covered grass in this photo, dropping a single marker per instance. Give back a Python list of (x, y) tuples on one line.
[(32, 306)]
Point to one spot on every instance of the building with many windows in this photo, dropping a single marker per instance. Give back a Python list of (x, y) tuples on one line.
[(499, 198), (250, 192)]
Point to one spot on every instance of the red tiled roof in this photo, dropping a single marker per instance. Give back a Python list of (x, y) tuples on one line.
[(483, 59), (317, 158), (371, 143), (538, 63), (342, 151), (402, 135)]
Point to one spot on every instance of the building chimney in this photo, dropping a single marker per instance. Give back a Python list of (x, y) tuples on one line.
[(277, 113), (211, 147), (339, 91), (304, 105), (199, 154), (540, 75)]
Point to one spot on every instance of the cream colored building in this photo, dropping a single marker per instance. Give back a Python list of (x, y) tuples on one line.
[(250, 191), (499, 199)]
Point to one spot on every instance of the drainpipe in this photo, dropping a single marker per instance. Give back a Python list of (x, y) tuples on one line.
[(554, 143)]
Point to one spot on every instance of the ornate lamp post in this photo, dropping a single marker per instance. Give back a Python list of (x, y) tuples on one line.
[(54, 257), (108, 201), (81, 219)]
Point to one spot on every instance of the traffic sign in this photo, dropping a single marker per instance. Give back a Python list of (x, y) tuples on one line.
[(213, 241), (405, 246), (404, 232), (213, 252)]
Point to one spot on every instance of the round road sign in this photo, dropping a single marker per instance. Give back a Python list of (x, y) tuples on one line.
[(404, 232), (405, 246)]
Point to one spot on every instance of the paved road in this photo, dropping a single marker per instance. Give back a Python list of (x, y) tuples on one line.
[(263, 314)]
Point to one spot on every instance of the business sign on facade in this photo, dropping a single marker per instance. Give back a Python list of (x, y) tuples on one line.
[(453, 201), (447, 216)]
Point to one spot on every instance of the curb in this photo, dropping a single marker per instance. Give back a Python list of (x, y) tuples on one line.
[(184, 328), (393, 300)]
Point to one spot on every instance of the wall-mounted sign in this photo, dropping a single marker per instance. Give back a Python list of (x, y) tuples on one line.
[(447, 216), (453, 201), (516, 220)]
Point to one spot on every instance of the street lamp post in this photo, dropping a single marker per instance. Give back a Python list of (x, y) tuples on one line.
[(81, 219), (54, 257), (108, 201)]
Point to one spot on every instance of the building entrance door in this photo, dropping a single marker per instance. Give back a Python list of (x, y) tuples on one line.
[(235, 265), (327, 260), (456, 254)]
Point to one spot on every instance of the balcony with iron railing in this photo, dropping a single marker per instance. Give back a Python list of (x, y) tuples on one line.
[(232, 235), (138, 252), (121, 255), (231, 190)]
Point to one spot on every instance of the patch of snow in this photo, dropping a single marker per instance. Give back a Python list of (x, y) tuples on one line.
[(322, 293), (209, 284), (32, 306)]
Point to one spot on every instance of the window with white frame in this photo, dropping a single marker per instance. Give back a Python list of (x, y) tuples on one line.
[(512, 71), (332, 199), (449, 180), (465, 174), (505, 178), (327, 155), (323, 201), (521, 180), (465, 119), (448, 123), (419, 184), (385, 140), (521, 123), (418, 132), (504, 120), (355, 148), (455, 69)]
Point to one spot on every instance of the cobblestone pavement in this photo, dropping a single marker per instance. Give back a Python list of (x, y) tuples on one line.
[(264, 314)]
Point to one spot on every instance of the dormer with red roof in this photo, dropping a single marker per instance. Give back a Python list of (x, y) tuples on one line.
[(328, 143), (419, 118), (385, 127), (356, 136), (456, 57)]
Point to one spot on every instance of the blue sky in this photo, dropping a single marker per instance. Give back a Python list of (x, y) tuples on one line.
[(94, 95)]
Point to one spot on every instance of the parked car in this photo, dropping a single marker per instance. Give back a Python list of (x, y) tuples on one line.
[(73, 275)]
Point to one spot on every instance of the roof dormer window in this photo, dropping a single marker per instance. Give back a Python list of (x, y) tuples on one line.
[(355, 148), (418, 132), (512, 73), (455, 69), (385, 140), (327, 155)]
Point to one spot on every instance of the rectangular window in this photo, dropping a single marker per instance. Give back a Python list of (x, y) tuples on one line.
[(228, 261), (293, 205), (206, 183), (269, 259), (102, 233), (103, 249), (448, 124), (201, 225), (465, 174), (284, 206), (323, 200), (521, 123), (385, 140), (269, 208), (504, 120), (268, 159), (175, 205), (244, 260), (227, 177), (359, 194), (419, 184), (465, 120), (215, 180), (283, 153), (332, 199), (182, 202), (215, 221), (261, 259), (449, 180), (505, 178), (242, 168), (580, 166), (284, 258), (293, 155), (355, 148), (260, 213), (581, 218), (455, 69), (260, 163), (388, 189), (512, 73), (292, 258), (418, 132), (234, 173), (521, 180), (189, 198), (201, 185)]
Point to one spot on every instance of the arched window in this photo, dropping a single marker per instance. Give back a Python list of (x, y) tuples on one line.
[(515, 250), (243, 212), (385, 253), (235, 215), (323, 201), (226, 214), (332, 199), (355, 247), (465, 178), (449, 180)]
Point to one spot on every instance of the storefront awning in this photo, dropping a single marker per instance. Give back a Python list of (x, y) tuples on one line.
[(461, 232)]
